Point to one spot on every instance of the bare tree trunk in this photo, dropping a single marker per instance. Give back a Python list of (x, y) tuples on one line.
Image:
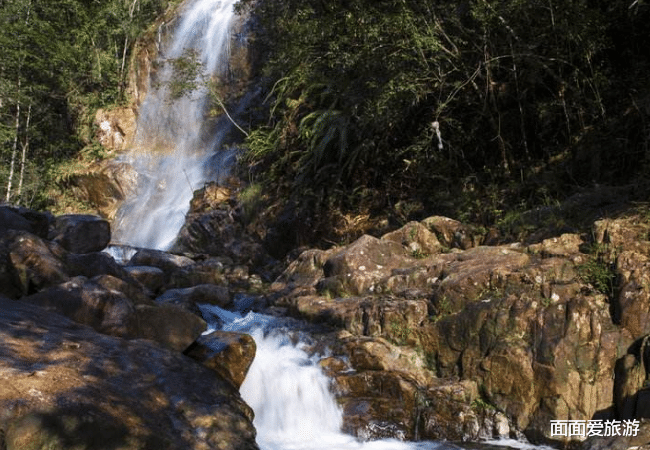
[(14, 150), (25, 147)]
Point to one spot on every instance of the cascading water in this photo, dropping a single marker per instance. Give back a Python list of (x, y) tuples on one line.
[(294, 408), (175, 150)]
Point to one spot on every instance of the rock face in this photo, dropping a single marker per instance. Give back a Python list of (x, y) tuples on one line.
[(504, 337), (62, 385)]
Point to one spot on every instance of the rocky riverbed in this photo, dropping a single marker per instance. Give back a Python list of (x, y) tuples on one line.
[(434, 331)]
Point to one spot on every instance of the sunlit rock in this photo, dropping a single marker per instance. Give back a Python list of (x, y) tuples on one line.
[(227, 353), (74, 388)]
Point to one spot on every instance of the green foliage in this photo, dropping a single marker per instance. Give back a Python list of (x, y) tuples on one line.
[(400, 332), (414, 98), (597, 272), (186, 70), (61, 60)]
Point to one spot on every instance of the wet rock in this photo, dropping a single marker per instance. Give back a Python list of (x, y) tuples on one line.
[(377, 354), (115, 127), (80, 233), (377, 404), (227, 353), (74, 388), (218, 233), (152, 278), (448, 411), (638, 441), (210, 271), (167, 262), (106, 185)]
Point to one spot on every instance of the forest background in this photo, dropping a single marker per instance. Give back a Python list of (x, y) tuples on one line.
[(475, 109)]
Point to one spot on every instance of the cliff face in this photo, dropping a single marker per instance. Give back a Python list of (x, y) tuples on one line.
[(444, 339)]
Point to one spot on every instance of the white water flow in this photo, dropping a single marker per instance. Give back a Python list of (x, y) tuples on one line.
[(290, 394), (175, 152)]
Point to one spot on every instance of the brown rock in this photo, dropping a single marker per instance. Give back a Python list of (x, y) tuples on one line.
[(79, 233), (106, 185), (227, 353), (416, 239), (190, 297), (166, 262), (564, 246), (93, 264), (152, 278), (355, 269), (452, 233), (170, 326), (62, 385), (210, 271), (28, 264), (85, 302), (132, 290), (116, 127), (632, 304)]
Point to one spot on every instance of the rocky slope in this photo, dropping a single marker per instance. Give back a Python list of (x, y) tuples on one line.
[(432, 334), (92, 355)]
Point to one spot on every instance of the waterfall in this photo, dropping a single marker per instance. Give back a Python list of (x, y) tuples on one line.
[(176, 150)]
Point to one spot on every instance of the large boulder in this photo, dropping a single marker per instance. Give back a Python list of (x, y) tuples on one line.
[(152, 278), (88, 303), (29, 264), (80, 233), (93, 264), (170, 326), (23, 219), (97, 304), (73, 388)]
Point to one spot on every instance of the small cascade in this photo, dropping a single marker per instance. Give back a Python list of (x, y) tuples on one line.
[(290, 394), (176, 151)]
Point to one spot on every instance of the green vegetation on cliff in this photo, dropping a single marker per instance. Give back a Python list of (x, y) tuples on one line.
[(60, 61), (469, 108)]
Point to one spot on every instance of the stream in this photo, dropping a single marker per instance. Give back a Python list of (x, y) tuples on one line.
[(174, 155)]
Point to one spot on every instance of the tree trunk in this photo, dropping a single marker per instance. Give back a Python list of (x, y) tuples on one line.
[(14, 150), (25, 146)]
